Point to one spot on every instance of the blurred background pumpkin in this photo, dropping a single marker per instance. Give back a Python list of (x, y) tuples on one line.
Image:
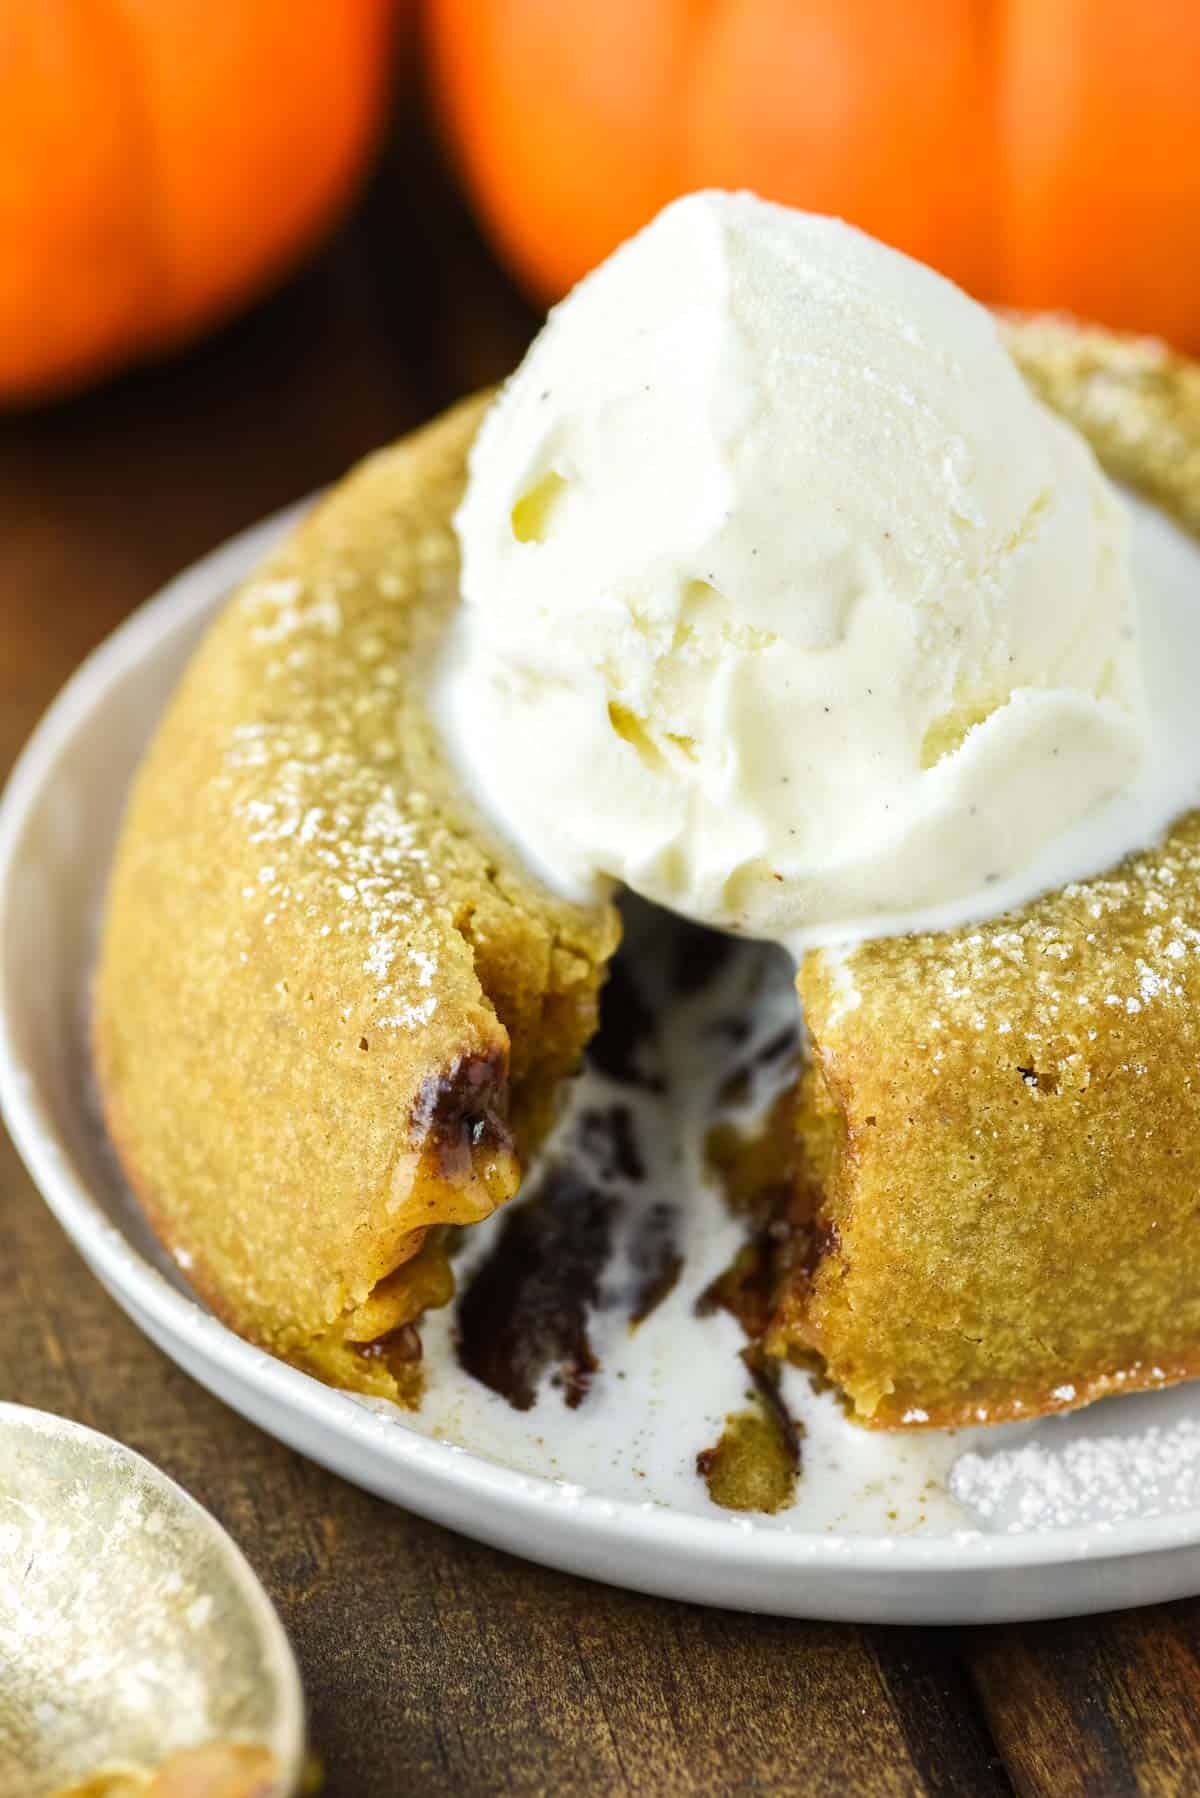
[(164, 159), (1044, 153)]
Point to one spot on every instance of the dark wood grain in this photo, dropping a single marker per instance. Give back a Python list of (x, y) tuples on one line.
[(1096, 1706), (434, 1665)]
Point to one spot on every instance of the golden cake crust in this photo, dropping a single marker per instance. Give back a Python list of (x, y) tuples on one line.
[(1004, 1120), (330, 1011), (1010, 1213)]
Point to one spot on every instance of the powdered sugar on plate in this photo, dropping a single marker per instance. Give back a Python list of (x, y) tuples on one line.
[(1131, 1458)]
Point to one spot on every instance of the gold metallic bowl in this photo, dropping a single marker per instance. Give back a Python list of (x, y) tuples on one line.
[(138, 1652)]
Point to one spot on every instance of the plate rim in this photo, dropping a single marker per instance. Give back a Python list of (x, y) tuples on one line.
[(735, 1542)]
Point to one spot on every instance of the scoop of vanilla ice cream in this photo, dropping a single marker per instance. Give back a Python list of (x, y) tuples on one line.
[(785, 602)]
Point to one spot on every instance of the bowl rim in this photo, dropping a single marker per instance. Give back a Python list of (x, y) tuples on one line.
[(444, 1472)]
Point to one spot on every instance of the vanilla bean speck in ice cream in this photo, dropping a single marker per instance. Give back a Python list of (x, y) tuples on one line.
[(785, 602)]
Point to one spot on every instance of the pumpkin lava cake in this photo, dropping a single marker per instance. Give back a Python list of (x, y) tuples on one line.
[(333, 1013), (1000, 1124)]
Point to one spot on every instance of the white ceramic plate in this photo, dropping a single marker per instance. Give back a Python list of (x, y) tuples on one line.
[(1078, 1513)]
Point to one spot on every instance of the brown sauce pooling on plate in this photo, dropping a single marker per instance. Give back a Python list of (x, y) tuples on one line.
[(596, 1246), (657, 1257), (607, 1138), (595, 1235), (697, 957), (759, 1177), (619, 1047), (525, 1312)]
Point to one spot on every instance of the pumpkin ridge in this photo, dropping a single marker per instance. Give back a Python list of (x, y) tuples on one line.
[(1044, 156), (709, 17), (137, 111), (163, 161)]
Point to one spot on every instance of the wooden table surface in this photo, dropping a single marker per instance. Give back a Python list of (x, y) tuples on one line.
[(433, 1665)]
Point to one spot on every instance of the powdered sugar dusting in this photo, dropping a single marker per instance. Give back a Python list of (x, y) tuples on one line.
[(1089, 1479), (374, 863), (316, 779), (847, 995), (353, 830)]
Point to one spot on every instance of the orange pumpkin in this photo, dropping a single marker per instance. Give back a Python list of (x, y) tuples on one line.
[(1045, 153), (162, 159)]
